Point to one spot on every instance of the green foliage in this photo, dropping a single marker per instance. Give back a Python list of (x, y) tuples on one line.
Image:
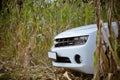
[(95, 59), (48, 19), (27, 29)]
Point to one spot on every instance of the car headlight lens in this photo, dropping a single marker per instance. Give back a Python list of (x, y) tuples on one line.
[(81, 40)]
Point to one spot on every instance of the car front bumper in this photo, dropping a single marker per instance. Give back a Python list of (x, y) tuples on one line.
[(65, 56)]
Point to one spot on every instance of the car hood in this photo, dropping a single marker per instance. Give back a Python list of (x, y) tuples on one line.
[(79, 31)]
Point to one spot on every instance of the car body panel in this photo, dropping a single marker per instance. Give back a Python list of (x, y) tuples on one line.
[(86, 51)]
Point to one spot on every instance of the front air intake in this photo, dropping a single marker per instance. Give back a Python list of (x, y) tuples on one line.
[(71, 41)]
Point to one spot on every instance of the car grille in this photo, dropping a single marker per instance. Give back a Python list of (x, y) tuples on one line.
[(64, 42), (70, 41)]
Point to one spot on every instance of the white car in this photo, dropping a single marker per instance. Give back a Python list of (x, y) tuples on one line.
[(74, 49)]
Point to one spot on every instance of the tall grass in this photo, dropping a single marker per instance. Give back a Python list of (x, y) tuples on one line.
[(27, 29)]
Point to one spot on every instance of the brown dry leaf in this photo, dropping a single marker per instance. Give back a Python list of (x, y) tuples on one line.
[(67, 76), (104, 61)]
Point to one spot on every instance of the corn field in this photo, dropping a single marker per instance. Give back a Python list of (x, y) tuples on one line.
[(27, 29)]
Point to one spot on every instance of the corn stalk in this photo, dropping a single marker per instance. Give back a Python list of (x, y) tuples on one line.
[(112, 39), (101, 65), (116, 12), (106, 64), (97, 54)]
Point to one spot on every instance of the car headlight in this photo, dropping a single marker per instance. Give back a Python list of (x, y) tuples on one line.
[(81, 40)]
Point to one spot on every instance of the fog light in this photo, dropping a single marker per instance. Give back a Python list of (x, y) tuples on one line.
[(77, 58)]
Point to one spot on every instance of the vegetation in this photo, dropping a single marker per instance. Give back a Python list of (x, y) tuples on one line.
[(107, 65), (27, 28)]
